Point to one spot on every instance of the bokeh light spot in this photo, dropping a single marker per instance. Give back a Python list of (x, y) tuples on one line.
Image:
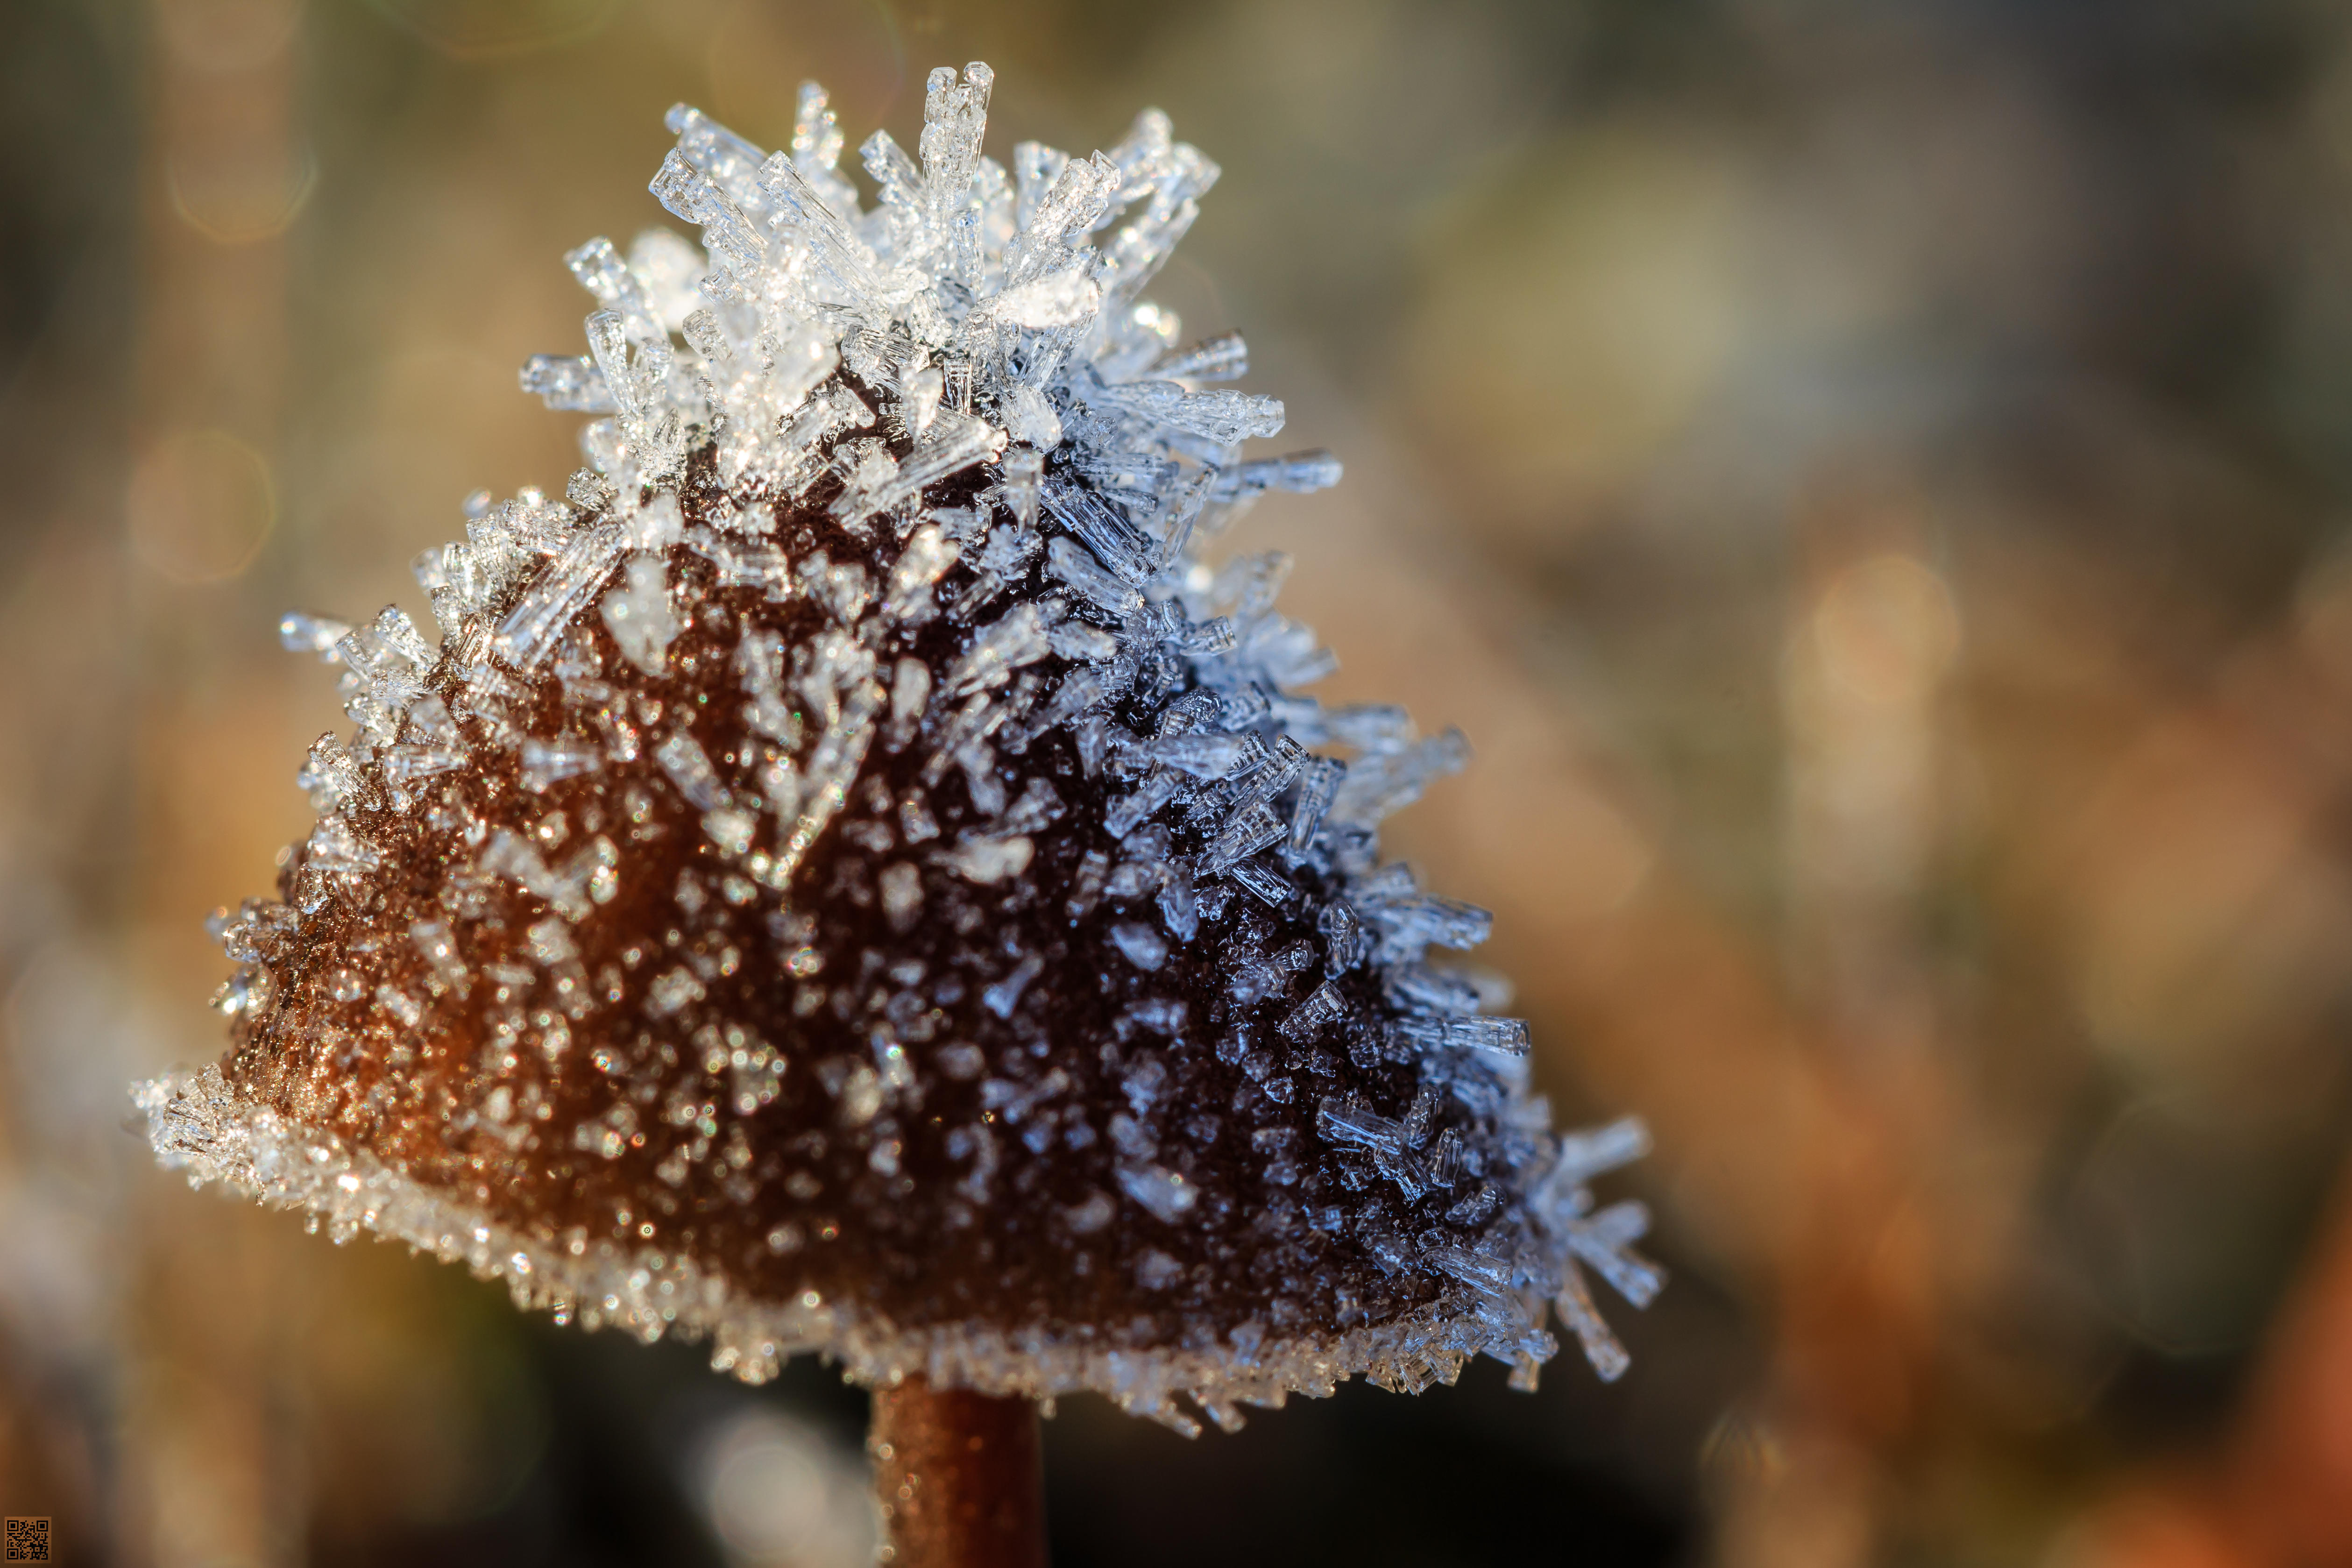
[(199, 505), (241, 194), (1886, 629), (775, 1491)]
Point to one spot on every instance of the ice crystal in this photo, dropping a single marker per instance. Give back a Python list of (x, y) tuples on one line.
[(851, 878)]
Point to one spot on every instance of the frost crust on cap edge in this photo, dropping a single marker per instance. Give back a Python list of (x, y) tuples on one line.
[(197, 1125)]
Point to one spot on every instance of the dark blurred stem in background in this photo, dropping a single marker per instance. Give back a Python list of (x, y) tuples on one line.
[(957, 1477)]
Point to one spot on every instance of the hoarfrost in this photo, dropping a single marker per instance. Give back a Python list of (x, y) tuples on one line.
[(856, 775)]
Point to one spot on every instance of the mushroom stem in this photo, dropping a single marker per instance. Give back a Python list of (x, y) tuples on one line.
[(957, 1477)]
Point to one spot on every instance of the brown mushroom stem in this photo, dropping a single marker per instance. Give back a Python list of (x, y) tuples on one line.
[(959, 1479)]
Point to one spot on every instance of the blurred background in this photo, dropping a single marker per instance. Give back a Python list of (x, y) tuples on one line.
[(1873, 482)]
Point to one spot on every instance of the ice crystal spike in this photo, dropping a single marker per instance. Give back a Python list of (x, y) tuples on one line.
[(850, 878)]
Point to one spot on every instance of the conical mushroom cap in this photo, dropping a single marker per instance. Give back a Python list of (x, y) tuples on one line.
[(849, 878)]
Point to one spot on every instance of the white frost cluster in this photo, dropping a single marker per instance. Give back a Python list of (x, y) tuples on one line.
[(964, 381)]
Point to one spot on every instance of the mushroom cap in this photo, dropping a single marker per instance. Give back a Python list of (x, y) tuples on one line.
[(851, 879)]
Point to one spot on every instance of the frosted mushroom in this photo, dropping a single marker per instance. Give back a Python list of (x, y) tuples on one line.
[(848, 876)]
